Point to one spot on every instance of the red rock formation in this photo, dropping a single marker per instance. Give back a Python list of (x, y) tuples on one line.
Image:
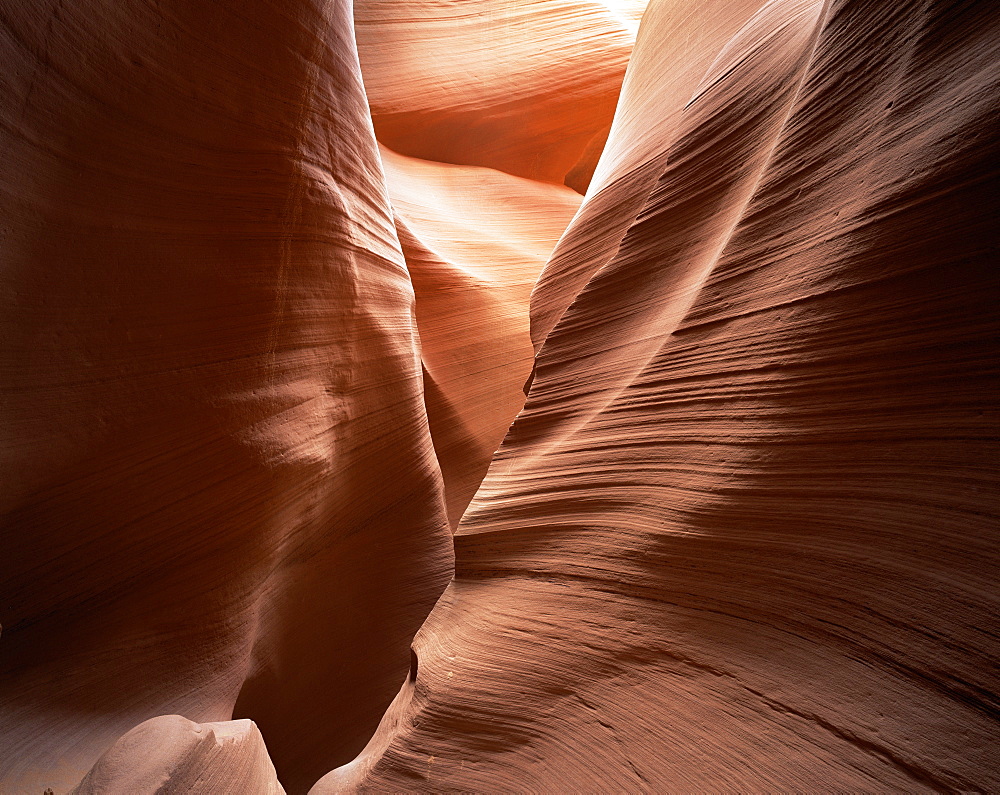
[(742, 534), (171, 754), (527, 88), (742, 537), (219, 488), (679, 42), (475, 240)]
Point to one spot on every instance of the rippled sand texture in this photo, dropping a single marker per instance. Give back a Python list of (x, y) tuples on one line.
[(279, 278)]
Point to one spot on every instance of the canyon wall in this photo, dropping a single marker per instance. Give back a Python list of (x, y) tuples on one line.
[(278, 280), (525, 87), (220, 492), (742, 536)]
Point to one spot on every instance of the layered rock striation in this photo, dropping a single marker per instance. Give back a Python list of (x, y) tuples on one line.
[(475, 240), (527, 88), (273, 295), (220, 494), (743, 534)]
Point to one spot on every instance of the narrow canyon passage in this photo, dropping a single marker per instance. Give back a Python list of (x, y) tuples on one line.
[(486, 112), (499, 396)]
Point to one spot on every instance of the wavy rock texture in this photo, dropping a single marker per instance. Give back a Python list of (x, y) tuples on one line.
[(520, 95), (475, 240), (743, 534), (171, 754), (679, 42), (220, 492), (528, 88)]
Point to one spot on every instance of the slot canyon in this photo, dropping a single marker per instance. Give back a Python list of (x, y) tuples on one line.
[(528, 396)]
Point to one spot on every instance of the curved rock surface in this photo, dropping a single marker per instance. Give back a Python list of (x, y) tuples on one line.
[(475, 240), (171, 754), (743, 534), (254, 364), (215, 447), (679, 42), (527, 88)]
